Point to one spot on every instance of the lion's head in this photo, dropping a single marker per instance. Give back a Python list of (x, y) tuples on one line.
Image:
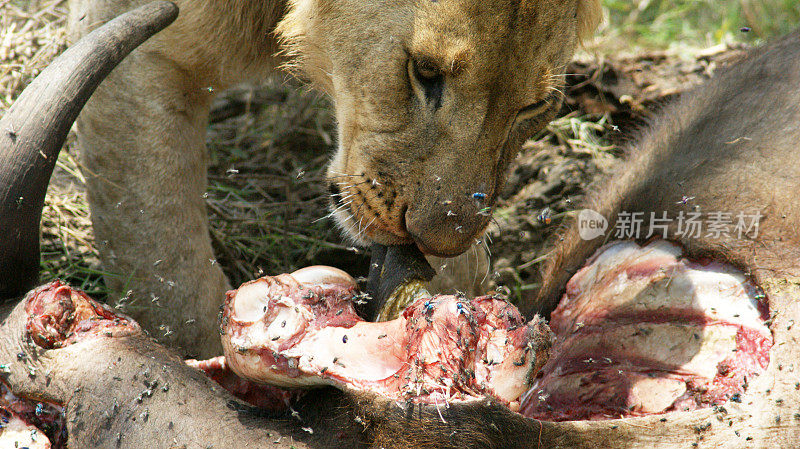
[(433, 100)]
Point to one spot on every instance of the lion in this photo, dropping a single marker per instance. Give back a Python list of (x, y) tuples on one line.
[(433, 99)]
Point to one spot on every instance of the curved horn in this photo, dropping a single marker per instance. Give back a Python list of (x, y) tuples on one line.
[(33, 131)]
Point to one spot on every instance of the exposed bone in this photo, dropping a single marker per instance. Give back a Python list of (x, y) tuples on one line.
[(322, 275), (641, 331), (100, 383), (264, 396), (16, 432), (279, 331)]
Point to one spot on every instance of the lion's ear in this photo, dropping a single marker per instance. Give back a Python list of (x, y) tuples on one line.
[(294, 25), (589, 14), (296, 34)]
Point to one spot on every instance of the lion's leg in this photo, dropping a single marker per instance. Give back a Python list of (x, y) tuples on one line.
[(144, 160)]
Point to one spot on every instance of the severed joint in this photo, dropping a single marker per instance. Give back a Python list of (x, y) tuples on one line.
[(301, 330), (59, 315)]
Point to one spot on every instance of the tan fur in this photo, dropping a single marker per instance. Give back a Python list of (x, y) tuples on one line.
[(401, 163)]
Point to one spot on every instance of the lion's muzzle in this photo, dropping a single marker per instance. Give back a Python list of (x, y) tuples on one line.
[(445, 220)]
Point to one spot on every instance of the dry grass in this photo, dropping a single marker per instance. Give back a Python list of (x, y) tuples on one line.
[(267, 196), (30, 36), (68, 249)]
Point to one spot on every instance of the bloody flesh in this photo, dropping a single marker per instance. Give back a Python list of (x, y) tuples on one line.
[(285, 332), (642, 330), (30, 424)]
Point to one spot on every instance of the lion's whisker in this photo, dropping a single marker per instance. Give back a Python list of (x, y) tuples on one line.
[(338, 174), (477, 264), (367, 226), (332, 212), (489, 254)]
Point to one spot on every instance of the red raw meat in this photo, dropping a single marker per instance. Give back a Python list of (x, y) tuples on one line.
[(300, 330), (641, 330)]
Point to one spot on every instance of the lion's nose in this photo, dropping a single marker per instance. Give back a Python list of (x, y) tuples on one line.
[(447, 228)]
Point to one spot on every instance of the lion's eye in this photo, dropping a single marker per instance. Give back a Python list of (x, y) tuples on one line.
[(534, 107), (537, 107), (429, 78), (425, 70)]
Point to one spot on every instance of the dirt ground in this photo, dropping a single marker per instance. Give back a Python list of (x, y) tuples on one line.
[(269, 144)]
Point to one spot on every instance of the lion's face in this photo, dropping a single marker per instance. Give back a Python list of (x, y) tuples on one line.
[(433, 100)]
